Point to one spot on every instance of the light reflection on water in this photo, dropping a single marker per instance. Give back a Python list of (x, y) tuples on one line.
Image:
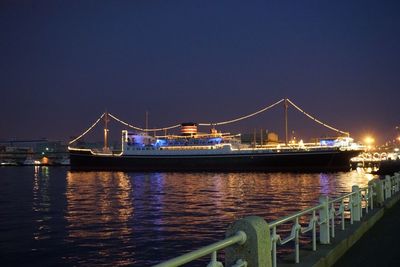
[(98, 213), (116, 218)]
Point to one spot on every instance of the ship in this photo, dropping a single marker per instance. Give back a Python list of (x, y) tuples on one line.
[(191, 151)]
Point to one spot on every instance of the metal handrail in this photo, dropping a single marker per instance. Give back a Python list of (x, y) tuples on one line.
[(293, 216), (239, 238), (335, 200), (355, 201), (358, 199)]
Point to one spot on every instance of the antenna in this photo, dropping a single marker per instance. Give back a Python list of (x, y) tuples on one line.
[(255, 138), (286, 120), (106, 120), (147, 120)]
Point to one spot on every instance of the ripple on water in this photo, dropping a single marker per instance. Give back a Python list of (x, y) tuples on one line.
[(116, 218)]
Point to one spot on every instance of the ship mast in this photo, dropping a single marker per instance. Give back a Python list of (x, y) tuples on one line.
[(106, 120), (286, 121), (147, 120)]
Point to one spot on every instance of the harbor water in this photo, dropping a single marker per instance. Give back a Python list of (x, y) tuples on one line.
[(51, 216)]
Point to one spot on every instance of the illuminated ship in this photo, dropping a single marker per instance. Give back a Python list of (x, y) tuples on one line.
[(216, 151)]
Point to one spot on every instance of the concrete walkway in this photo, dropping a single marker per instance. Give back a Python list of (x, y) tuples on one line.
[(380, 246)]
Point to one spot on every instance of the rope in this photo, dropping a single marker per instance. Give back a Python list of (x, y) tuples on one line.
[(214, 123), (141, 129), (244, 117), (316, 120), (90, 128)]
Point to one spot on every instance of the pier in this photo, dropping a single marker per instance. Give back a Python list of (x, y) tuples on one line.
[(332, 228)]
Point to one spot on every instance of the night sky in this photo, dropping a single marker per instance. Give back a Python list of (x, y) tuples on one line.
[(63, 63)]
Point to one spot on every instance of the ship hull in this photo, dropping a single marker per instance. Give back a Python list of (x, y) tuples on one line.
[(295, 161)]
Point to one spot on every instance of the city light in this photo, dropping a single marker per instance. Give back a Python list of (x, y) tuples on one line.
[(369, 141)]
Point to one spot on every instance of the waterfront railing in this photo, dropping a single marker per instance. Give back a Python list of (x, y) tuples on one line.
[(252, 241)]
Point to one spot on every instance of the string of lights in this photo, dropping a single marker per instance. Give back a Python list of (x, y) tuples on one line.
[(141, 129), (316, 120), (243, 117), (90, 128), (213, 123)]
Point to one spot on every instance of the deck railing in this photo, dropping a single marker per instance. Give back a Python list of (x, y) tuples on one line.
[(253, 242)]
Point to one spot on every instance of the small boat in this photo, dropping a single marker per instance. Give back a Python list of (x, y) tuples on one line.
[(8, 163), (31, 162)]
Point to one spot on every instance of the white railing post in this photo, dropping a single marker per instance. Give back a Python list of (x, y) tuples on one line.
[(367, 199), (397, 181), (296, 240), (342, 208), (392, 185), (388, 187), (360, 198), (371, 194), (256, 250), (214, 262), (332, 217), (314, 232), (380, 196), (355, 203), (324, 237), (371, 191), (274, 239)]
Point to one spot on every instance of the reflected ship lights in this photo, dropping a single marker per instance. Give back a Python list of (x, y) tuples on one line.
[(98, 210)]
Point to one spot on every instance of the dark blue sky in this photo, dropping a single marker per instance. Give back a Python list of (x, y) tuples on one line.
[(62, 63)]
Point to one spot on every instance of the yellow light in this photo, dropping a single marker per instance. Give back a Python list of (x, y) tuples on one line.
[(369, 140)]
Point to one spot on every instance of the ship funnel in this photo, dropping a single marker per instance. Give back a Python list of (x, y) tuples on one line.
[(188, 128)]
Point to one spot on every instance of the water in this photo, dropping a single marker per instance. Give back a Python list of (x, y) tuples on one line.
[(51, 216)]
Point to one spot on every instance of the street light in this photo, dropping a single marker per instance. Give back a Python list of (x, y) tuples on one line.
[(369, 140)]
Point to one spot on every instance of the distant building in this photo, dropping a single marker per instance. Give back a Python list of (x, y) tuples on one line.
[(32, 146)]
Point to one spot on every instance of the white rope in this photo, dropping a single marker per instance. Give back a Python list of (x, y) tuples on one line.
[(212, 124), (242, 118), (316, 120), (90, 128), (141, 129)]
